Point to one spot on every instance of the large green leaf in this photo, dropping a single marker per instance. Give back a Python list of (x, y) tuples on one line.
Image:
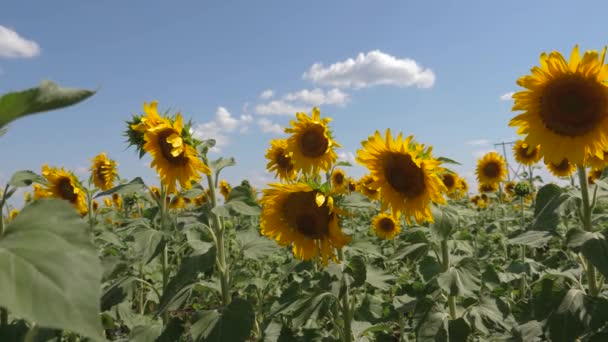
[(233, 324), (462, 279), (50, 271), (136, 185), (378, 278), (255, 246), (357, 269), (548, 200), (47, 96), (146, 243), (445, 222), (594, 247), (532, 238), (432, 322), (25, 178), (577, 314), (486, 317)]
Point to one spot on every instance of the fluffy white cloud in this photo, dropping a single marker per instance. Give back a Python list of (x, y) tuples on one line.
[(317, 97), (268, 126), (478, 142), (347, 157), (266, 94), (219, 128), (370, 69), (12, 45), (279, 107), (507, 96)]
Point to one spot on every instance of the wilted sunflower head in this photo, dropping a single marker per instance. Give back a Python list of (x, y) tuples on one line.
[(561, 169), (363, 186), (491, 168), (311, 145), (298, 215), (225, 189), (103, 172), (64, 185), (280, 161), (339, 183), (526, 154), (386, 226), (565, 106), (173, 157), (405, 173), (463, 187), (95, 206)]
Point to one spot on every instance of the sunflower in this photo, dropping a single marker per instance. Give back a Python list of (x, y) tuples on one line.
[(561, 169), (279, 161), (364, 187), (95, 205), (177, 202), (526, 154), (311, 145), (103, 172), (300, 215), (450, 182), (12, 214), (339, 181), (107, 202), (475, 199), (491, 168), (489, 187), (27, 197), (39, 192), (463, 187), (565, 106), (155, 192), (64, 185), (200, 200), (405, 174), (510, 188), (594, 174), (225, 189), (175, 160), (596, 162), (150, 119), (117, 200), (352, 184), (386, 226)]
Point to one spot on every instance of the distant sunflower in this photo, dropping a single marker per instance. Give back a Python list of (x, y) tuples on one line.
[(363, 186), (450, 181), (177, 202), (489, 187), (225, 189), (561, 169), (526, 154), (280, 161), (405, 174), (594, 174), (565, 106), (117, 201), (491, 168), (107, 202), (95, 206), (12, 214), (155, 192), (475, 199), (103, 172), (510, 188), (386, 226), (338, 181), (175, 160), (352, 185), (65, 185), (298, 215), (463, 187), (200, 200), (311, 145), (39, 192), (27, 197)]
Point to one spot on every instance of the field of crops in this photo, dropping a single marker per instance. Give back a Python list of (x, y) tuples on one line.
[(406, 253)]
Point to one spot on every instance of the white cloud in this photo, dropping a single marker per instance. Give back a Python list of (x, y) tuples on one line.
[(279, 107), (223, 123), (266, 94), (478, 142), (317, 97), (268, 126), (370, 69), (507, 96), (12, 45), (480, 153), (347, 157)]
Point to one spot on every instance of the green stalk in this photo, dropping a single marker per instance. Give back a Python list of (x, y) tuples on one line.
[(345, 305), (3, 311), (165, 253), (141, 289), (445, 258), (522, 284), (586, 218)]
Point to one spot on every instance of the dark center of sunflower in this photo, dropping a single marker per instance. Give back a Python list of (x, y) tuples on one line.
[(563, 165), (283, 161), (302, 214), (166, 148), (66, 189), (404, 175), (491, 170), (448, 180), (313, 142), (339, 178), (573, 106), (386, 224), (525, 152)]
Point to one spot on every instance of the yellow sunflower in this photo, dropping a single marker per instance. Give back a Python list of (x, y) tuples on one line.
[(405, 174), (339, 182), (526, 154), (450, 182), (489, 187), (279, 161), (27, 197), (561, 169), (107, 202), (596, 162), (491, 168), (463, 187), (225, 189), (95, 205), (352, 184), (299, 215), (364, 187), (103, 172), (64, 185), (39, 192), (386, 226), (565, 106), (174, 159), (117, 200), (475, 199), (510, 188), (593, 175), (155, 192), (311, 145), (177, 202), (150, 119), (12, 214)]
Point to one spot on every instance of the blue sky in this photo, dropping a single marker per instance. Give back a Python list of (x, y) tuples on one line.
[(434, 69)]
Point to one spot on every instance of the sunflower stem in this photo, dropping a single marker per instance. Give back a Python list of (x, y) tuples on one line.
[(2, 202), (586, 218), (522, 284), (164, 255), (345, 306), (445, 258)]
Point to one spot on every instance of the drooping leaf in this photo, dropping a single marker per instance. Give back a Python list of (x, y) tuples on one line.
[(432, 322), (378, 278), (234, 323), (532, 238), (47, 256), (221, 163), (146, 243), (26, 178), (445, 222), (145, 333), (429, 267), (255, 246), (47, 96), (576, 314), (487, 318), (594, 247), (548, 200), (136, 185), (462, 279)]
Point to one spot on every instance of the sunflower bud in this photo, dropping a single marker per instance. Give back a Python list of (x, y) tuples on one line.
[(523, 189), (135, 137)]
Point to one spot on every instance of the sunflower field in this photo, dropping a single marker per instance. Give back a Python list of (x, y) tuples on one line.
[(406, 253)]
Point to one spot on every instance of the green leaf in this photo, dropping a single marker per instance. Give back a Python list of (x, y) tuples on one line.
[(136, 185), (593, 246), (531, 331), (445, 160), (459, 329), (357, 269), (429, 267), (445, 222), (173, 331), (196, 191), (486, 317), (221, 163), (47, 256), (145, 333), (47, 96), (548, 200), (243, 193), (462, 279), (532, 238), (244, 208), (356, 200), (378, 278), (432, 323), (234, 323), (146, 243), (117, 292), (188, 271), (577, 314), (407, 249), (25, 178), (255, 246)]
